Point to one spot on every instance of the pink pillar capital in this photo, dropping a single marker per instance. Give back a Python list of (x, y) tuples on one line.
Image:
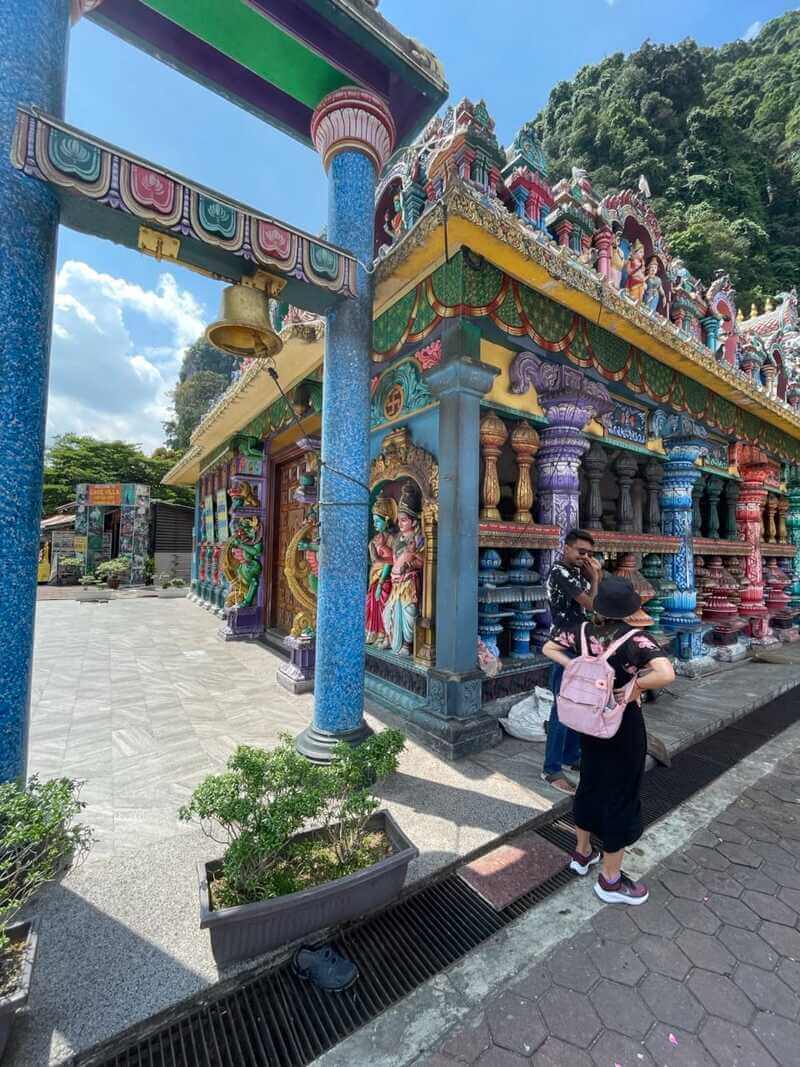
[(352, 118)]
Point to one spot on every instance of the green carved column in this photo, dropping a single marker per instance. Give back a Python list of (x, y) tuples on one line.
[(793, 526)]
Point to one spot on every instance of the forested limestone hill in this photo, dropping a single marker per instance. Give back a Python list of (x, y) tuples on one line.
[(717, 134)]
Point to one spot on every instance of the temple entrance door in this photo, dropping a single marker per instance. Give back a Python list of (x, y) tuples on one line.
[(288, 518)]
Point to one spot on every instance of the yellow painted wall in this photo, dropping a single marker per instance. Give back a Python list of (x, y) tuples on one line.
[(500, 356)]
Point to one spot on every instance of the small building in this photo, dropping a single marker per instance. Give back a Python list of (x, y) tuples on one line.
[(113, 519)]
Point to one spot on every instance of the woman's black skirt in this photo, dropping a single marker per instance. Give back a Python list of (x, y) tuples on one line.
[(608, 801)]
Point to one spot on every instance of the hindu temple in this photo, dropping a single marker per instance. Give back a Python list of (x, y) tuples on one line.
[(540, 361), (537, 360)]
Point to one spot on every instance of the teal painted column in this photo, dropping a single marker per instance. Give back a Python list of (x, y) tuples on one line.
[(33, 43), (354, 133), (793, 526), (458, 383), (196, 538)]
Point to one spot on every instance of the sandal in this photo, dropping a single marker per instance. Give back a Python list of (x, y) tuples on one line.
[(325, 968), (560, 782)]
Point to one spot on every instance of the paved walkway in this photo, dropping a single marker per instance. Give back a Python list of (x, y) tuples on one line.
[(707, 972), (141, 698)]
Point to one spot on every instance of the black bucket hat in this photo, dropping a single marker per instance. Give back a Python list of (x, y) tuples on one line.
[(616, 598)]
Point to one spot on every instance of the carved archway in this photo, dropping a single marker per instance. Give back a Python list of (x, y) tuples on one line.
[(400, 460)]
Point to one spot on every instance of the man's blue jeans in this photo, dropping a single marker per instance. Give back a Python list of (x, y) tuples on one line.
[(563, 745)]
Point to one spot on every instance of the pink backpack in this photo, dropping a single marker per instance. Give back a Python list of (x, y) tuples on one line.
[(586, 700)]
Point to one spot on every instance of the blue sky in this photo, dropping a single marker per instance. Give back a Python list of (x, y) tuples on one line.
[(121, 320)]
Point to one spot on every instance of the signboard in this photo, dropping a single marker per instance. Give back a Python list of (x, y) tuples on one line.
[(63, 541), (108, 495), (222, 515), (208, 517)]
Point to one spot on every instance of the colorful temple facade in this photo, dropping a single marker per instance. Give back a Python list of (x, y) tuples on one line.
[(525, 356), (540, 361)]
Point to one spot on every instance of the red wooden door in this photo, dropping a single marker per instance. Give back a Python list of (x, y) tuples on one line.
[(288, 518)]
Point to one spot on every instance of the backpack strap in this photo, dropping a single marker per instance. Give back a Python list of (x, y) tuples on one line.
[(584, 648), (616, 645)]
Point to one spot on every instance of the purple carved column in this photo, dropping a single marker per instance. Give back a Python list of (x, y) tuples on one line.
[(569, 400)]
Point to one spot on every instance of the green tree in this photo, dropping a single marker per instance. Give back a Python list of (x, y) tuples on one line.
[(716, 132), (191, 399), (73, 458), (205, 374)]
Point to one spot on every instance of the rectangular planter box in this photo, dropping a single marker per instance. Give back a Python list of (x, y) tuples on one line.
[(9, 1005), (92, 596), (252, 929), (172, 593)]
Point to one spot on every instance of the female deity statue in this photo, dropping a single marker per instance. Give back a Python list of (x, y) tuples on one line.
[(400, 612), (653, 286), (617, 262), (381, 555), (635, 280)]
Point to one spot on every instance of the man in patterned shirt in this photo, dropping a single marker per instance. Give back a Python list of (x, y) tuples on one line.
[(571, 589)]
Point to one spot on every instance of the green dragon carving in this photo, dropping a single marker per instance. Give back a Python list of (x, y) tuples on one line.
[(241, 562)]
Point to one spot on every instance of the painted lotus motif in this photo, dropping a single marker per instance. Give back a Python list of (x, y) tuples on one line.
[(152, 189)]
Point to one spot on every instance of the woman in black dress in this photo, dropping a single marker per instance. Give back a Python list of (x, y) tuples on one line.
[(607, 803)]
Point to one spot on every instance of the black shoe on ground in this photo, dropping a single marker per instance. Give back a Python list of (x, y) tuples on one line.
[(325, 968)]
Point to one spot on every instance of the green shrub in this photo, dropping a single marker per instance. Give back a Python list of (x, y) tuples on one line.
[(38, 840), (73, 563), (264, 798), (177, 583), (114, 568), (88, 581)]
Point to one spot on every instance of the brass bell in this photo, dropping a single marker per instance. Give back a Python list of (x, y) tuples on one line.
[(243, 328)]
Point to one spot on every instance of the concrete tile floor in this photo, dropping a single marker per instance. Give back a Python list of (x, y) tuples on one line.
[(141, 699)]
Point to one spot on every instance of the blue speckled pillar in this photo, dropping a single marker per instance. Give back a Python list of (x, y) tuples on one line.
[(684, 444), (354, 133), (33, 43)]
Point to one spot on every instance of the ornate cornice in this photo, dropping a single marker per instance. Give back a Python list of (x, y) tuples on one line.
[(353, 118), (463, 201), (125, 186)]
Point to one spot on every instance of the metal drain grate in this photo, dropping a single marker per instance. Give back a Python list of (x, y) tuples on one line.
[(275, 1020)]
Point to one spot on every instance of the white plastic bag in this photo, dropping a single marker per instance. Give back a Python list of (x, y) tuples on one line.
[(527, 718)]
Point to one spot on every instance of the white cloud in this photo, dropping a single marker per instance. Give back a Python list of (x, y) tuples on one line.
[(752, 31), (117, 349)]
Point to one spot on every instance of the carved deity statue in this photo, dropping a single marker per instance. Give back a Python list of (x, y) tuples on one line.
[(653, 286), (381, 557), (400, 612), (617, 263), (634, 266), (241, 561), (393, 220)]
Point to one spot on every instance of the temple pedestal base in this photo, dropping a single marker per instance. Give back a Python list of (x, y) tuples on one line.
[(764, 642), (447, 719), (787, 635), (318, 745), (731, 653), (298, 674), (698, 667)]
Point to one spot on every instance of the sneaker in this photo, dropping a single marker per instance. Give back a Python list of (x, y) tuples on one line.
[(580, 864), (623, 891), (325, 968), (560, 782)]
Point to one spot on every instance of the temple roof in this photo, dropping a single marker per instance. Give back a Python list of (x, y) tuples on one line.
[(279, 58)]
